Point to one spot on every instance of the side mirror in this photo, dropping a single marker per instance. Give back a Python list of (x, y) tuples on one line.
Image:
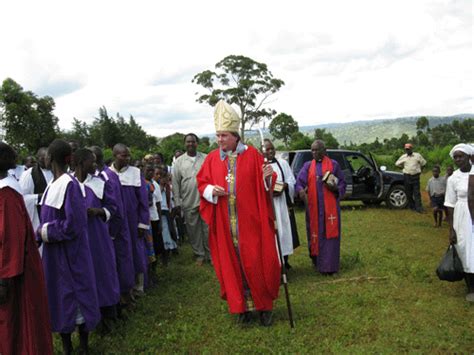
[(383, 168)]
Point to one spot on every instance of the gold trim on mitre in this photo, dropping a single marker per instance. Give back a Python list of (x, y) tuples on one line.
[(225, 118)]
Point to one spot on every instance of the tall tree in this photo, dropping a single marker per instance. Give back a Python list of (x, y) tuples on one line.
[(27, 119), (242, 81), (282, 127), (327, 137)]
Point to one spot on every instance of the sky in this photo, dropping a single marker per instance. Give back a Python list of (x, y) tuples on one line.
[(341, 61)]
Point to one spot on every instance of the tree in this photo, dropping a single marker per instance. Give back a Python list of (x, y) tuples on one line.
[(242, 81), (329, 140), (282, 127), (300, 141), (27, 119), (169, 144), (422, 124)]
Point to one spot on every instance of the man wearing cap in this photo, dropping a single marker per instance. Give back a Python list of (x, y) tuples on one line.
[(233, 184), (412, 163)]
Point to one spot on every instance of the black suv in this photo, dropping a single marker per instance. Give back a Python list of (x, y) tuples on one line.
[(365, 181)]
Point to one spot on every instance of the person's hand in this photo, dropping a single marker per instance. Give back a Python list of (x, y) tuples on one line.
[(277, 193), (267, 170), (177, 210), (303, 196), (452, 237), (332, 188), (218, 191)]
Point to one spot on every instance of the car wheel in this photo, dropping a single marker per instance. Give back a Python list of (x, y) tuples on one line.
[(397, 197)]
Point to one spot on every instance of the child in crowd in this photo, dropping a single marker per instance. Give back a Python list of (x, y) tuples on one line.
[(436, 188), (154, 200), (167, 223)]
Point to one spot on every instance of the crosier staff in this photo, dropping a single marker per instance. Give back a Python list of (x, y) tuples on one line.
[(283, 267)]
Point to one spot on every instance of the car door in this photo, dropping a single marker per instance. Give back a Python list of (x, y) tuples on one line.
[(363, 174), (378, 175)]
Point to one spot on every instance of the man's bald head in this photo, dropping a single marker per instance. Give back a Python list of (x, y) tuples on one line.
[(318, 148), (119, 148), (121, 155), (41, 155)]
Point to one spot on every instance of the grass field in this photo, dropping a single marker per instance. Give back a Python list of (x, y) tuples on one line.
[(403, 308)]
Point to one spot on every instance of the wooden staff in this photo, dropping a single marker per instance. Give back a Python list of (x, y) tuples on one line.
[(282, 261)]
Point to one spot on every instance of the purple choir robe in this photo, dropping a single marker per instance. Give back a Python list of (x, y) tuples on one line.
[(102, 246), (67, 261), (135, 201), (329, 249), (119, 231)]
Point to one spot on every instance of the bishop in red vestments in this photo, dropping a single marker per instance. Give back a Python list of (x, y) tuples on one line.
[(233, 183), (24, 317)]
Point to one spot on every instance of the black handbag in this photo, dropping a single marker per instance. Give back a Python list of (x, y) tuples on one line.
[(450, 268)]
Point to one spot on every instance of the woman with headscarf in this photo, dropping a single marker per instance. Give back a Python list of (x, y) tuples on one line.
[(459, 217)]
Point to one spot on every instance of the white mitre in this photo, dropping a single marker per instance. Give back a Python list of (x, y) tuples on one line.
[(225, 118)]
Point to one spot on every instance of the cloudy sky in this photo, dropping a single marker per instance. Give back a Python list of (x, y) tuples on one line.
[(341, 60)]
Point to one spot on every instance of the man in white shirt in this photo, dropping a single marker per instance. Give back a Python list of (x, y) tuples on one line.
[(412, 163)]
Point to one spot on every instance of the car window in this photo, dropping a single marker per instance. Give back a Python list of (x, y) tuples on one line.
[(339, 157), (357, 161), (300, 159)]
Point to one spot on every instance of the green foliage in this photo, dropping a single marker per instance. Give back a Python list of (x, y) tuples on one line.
[(242, 81), (433, 144), (327, 137), (422, 123), (169, 144), (28, 120), (106, 131), (300, 141), (283, 126)]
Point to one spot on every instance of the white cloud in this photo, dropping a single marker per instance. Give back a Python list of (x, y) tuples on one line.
[(340, 60)]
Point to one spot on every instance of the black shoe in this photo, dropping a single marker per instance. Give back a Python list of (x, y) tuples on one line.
[(244, 318), (266, 318)]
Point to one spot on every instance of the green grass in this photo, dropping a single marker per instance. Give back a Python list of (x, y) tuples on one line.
[(405, 309)]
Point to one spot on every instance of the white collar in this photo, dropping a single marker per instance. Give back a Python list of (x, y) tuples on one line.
[(11, 182), (96, 184), (55, 192), (129, 176)]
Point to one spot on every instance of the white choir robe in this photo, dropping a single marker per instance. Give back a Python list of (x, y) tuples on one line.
[(31, 199), (456, 197), (281, 208)]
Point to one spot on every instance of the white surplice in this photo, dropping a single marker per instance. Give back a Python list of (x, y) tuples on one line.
[(281, 208)]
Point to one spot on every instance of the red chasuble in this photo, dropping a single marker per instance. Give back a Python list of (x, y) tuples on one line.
[(331, 219), (24, 318), (256, 233)]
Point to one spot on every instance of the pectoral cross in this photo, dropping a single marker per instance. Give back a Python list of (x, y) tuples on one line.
[(332, 218), (229, 178)]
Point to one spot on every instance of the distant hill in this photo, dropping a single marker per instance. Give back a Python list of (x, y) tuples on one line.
[(359, 132), (366, 131)]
